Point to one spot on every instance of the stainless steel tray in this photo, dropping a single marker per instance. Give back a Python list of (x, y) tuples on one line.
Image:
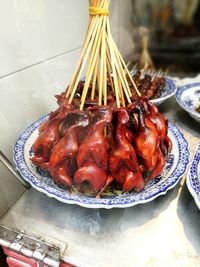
[(164, 232)]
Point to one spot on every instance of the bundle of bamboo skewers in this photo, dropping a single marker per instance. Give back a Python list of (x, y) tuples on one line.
[(102, 61), (99, 145)]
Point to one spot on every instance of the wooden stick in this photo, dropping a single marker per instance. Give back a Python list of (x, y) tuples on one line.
[(81, 66), (91, 65), (119, 70), (102, 64), (109, 68), (121, 93), (92, 45), (91, 28), (119, 57), (89, 72), (127, 72), (114, 72), (90, 35), (94, 82), (103, 61), (94, 55), (109, 77), (124, 80), (105, 65)]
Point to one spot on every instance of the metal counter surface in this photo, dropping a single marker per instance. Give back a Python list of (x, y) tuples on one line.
[(164, 232)]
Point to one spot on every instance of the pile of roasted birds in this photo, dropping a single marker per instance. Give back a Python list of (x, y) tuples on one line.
[(103, 146), (105, 133)]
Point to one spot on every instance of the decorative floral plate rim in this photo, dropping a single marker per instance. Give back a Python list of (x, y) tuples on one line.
[(160, 186), (193, 177), (179, 94)]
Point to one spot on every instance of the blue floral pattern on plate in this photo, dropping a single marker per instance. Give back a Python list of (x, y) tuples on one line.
[(41, 181), (193, 177), (188, 97)]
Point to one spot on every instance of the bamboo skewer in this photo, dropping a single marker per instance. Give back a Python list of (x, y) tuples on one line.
[(104, 69), (78, 69), (102, 64), (94, 82), (102, 61), (91, 28), (82, 64), (109, 76)]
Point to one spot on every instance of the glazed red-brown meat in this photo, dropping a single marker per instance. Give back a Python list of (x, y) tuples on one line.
[(62, 162), (47, 139), (92, 154), (103, 145), (147, 142), (130, 179), (162, 127), (94, 146), (123, 163), (159, 165), (93, 174)]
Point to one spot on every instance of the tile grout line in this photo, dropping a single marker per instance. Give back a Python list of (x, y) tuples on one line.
[(39, 62)]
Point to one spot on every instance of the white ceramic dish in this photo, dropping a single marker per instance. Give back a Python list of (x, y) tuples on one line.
[(188, 97), (173, 172), (193, 177)]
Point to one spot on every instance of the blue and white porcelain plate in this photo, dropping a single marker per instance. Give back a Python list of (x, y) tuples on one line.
[(193, 177), (41, 181), (168, 91), (188, 97)]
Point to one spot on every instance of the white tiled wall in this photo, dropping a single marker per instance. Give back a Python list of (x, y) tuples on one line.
[(40, 45), (35, 30)]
